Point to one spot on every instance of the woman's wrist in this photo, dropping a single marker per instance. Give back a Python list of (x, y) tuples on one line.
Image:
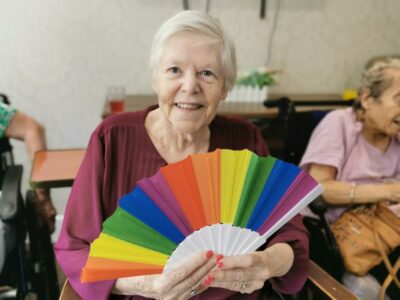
[(136, 285), (369, 193), (352, 194), (391, 190), (281, 257)]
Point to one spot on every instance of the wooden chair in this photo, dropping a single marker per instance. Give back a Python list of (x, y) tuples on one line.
[(319, 283), (68, 292)]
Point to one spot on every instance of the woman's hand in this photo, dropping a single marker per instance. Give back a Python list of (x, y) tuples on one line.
[(181, 283), (247, 273), (45, 208)]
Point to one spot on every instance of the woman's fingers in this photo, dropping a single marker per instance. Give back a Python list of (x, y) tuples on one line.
[(242, 261), (243, 286), (199, 279), (186, 280), (192, 291), (185, 270), (241, 274)]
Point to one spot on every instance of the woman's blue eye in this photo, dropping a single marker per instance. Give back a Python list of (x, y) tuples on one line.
[(174, 69), (207, 73)]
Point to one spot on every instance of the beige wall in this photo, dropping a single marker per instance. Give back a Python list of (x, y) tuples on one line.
[(57, 57)]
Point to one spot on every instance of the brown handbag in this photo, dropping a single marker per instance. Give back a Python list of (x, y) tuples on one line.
[(365, 236)]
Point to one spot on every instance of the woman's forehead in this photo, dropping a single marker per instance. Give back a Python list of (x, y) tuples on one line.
[(391, 83), (392, 76), (192, 44)]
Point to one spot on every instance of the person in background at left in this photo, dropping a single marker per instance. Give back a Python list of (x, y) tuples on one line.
[(17, 125)]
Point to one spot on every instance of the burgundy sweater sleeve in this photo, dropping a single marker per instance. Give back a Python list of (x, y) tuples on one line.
[(295, 234), (83, 222)]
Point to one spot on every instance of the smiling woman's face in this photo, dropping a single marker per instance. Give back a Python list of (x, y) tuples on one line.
[(189, 81), (383, 115)]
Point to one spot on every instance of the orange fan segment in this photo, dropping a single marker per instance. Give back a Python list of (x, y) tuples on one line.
[(105, 269), (207, 169), (182, 181)]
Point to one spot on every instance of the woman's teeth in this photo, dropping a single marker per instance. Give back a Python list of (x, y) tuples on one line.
[(188, 105)]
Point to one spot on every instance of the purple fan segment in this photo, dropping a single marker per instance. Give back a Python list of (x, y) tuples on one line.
[(157, 189), (300, 187)]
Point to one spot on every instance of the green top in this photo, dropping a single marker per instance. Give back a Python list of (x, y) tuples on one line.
[(6, 114)]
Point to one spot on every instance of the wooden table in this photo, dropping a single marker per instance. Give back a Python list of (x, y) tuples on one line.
[(248, 110), (55, 168)]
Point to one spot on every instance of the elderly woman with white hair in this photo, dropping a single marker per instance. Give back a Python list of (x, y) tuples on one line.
[(355, 152), (193, 63)]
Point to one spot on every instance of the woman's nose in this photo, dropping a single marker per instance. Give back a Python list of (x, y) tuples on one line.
[(190, 83)]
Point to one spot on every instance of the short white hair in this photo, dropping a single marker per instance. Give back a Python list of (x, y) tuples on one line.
[(198, 22)]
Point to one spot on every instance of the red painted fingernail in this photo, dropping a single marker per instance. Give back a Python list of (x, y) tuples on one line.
[(219, 257), (220, 264), (206, 282), (209, 254), (210, 278)]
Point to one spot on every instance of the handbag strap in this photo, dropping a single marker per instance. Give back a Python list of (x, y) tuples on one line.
[(389, 280), (385, 258)]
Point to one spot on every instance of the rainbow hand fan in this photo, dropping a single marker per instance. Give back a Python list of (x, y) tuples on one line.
[(227, 201)]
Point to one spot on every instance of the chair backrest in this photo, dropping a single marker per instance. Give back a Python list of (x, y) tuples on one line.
[(6, 157), (299, 127), (301, 124)]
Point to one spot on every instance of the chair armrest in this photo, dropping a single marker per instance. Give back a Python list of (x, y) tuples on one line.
[(11, 192), (318, 206), (327, 284)]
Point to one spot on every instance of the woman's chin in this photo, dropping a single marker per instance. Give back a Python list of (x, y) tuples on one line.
[(187, 127)]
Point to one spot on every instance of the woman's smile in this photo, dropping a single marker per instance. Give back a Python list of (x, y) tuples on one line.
[(188, 106)]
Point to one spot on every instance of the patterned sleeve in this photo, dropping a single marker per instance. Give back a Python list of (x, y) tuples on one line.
[(6, 114)]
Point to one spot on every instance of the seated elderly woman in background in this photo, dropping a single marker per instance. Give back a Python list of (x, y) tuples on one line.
[(194, 66), (355, 152)]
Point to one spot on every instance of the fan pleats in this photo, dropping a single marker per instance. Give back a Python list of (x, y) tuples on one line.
[(228, 201)]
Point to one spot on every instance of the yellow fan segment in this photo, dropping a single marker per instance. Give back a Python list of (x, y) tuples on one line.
[(234, 165), (106, 246)]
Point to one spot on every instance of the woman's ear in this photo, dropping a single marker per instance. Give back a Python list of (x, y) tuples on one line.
[(365, 99)]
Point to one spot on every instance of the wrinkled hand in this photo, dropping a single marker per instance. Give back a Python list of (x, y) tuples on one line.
[(45, 209), (247, 273), (184, 282)]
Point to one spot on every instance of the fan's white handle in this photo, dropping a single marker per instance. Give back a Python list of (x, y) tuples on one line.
[(223, 239)]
